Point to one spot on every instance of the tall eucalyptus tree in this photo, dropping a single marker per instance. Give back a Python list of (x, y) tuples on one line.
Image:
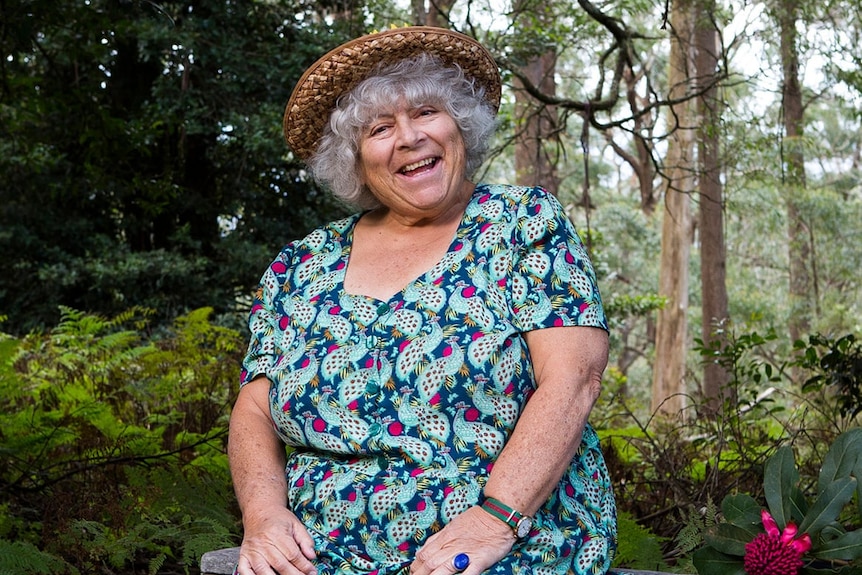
[(669, 383), (787, 16), (624, 99), (713, 251), (536, 123)]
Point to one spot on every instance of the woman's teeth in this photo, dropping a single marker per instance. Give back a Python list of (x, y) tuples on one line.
[(417, 165)]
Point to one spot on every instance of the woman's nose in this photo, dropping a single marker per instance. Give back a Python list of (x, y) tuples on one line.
[(409, 133)]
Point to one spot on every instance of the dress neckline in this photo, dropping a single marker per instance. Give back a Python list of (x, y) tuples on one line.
[(397, 296)]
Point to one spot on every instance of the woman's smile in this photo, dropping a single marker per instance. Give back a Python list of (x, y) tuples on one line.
[(413, 160), (418, 167)]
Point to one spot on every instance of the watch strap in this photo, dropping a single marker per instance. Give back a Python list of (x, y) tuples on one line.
[(502, 511)]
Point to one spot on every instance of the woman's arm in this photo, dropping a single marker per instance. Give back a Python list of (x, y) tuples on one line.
[(274, 540), (568, 363)]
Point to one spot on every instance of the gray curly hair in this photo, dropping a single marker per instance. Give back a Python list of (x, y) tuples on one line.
[(420, 80)]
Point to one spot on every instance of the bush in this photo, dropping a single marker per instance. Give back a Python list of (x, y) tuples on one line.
[(821, 533), (836, 368), (112, 444), (670, 472)]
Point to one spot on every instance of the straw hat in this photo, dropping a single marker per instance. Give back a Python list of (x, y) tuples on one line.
[(339, 71)]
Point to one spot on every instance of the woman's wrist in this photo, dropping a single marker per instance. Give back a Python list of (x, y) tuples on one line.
[(519, 523)]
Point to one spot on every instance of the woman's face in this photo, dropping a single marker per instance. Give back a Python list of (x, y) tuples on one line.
[(413, 160)]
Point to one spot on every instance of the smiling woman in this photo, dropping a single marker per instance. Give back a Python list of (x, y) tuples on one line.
[(413, 160), (432, 359), (420, 83)]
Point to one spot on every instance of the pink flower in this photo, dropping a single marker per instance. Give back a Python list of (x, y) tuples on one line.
[(775, 552)]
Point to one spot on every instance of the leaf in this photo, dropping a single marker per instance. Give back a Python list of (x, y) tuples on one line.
[(841, 459), (857, 472), (798, 505), (709, 561), (844, 548), (728, 538), (743, 511), (828, 505), (779, 480), (831, 532), (818, 569)]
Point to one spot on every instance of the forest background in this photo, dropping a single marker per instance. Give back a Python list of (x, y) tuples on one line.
[(708, 150)]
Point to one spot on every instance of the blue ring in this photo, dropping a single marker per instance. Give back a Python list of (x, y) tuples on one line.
[(461, 561)]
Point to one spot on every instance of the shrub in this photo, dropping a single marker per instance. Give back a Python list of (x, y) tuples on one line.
[(836, 371), (112, 443), (820, 533), (669, 471)]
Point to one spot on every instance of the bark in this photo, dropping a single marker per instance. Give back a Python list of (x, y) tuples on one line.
[(640, 160), (713, 254), (799, 251), (668, 390), (431, 12), (536, 122), (536, 126)]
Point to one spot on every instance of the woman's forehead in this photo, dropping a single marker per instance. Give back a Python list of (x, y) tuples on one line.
[(394, 103)]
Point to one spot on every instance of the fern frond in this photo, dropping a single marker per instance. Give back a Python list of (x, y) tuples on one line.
[(156, 563), (19, 557)]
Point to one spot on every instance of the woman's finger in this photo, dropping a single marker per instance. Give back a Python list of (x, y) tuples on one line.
[(287, 558)]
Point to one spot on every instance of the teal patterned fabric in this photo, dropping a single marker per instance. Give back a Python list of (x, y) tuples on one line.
[(396, 410)]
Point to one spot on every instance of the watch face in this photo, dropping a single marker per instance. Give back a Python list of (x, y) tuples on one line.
[(523, 528)]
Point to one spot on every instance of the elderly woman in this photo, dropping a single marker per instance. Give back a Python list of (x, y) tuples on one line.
[(430, 361)]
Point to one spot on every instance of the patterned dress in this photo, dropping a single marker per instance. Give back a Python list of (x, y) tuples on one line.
[(396, 410)]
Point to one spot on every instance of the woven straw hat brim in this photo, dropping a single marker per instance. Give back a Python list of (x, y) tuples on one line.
[(339, 71)]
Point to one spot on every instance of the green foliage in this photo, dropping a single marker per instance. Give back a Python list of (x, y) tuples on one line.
[(726, 456), (695, 525), (739, 354), (671, 471), (826, 515), (836, 364), (17, 558), (638, 547), (112, 442), (638, 305), (141, 154)]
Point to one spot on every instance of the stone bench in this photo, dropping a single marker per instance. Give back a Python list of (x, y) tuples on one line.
[(219, 562), (222, 562)]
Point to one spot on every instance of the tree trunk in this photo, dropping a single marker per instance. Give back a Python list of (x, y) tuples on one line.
[(536, 124), (431, 12), (713, 254), (799, 251), (640, 160), (669, 371)]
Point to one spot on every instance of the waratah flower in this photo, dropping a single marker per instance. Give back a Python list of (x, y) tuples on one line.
[(775, 552)]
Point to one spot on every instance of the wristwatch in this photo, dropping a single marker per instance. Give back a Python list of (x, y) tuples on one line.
[(521, 524)]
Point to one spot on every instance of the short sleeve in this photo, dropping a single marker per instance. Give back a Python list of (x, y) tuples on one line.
[(553, 282), (263, 352)]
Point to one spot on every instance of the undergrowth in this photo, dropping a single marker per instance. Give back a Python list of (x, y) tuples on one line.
[(112, 445), (669, 471)]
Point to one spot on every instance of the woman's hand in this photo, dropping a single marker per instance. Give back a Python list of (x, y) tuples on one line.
[(277, 543), (568, 363), (484, 538)]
